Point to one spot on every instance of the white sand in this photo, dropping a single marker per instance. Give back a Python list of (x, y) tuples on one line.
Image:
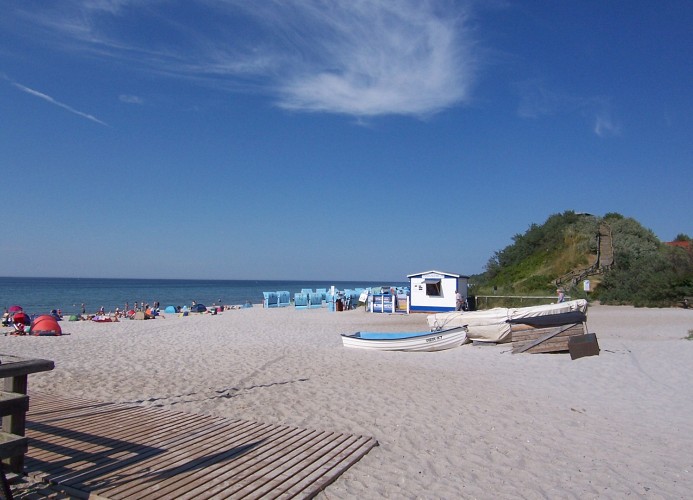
[(471, 422)]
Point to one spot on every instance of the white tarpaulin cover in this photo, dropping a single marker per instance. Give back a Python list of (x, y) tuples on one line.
[(491, 325)]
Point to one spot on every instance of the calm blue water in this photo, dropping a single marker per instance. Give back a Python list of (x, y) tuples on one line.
[(41, 295)]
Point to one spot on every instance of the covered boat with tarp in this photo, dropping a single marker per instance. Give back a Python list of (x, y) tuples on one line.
[(493, 325)]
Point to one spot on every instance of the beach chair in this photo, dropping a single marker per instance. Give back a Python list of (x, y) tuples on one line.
[(283, 299), (314, 300), (300, 300), (351, 298), (329, 300), (270, 299), (323, 292)]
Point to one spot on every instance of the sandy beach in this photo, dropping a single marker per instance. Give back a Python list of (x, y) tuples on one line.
[(471, 422)]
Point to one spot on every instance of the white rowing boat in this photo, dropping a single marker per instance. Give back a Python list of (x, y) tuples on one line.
[(410, 341)]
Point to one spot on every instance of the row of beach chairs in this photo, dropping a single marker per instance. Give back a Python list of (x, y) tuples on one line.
[(307, 298), (276, 299), (321, 297)]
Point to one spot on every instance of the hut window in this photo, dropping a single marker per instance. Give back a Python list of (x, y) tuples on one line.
[(433, 287)]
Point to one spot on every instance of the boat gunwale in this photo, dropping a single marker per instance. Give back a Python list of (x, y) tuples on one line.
[(416, 337)]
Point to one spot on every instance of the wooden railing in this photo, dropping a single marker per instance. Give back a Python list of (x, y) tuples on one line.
[(482, 301), (603, 262)]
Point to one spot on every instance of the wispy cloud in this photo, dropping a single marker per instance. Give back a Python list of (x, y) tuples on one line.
[(355, 57), (604, 123), (372, 58), (537, 100), (130, 99), (51, 100)]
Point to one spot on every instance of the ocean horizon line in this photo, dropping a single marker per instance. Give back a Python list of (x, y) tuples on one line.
[(303, 280), (43, 294)]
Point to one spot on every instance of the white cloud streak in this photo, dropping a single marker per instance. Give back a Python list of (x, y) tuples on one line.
[(130, 99), (536, 100), (373, 58), (51, 100), (361, 58), (604, 124)]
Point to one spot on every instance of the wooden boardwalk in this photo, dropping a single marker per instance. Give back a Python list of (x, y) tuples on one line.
[(107, 450)]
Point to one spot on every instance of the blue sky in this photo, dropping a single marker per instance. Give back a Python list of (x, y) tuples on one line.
[(327, 140)]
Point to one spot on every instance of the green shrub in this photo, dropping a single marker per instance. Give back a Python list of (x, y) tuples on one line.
[(645, 273)]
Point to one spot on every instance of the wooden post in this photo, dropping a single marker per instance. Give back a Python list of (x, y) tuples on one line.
[(15, 423)]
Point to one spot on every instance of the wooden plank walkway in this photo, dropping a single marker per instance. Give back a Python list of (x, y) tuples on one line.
[(108, 450)]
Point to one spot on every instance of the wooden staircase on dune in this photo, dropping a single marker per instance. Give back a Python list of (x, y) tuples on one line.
[(603, 262)]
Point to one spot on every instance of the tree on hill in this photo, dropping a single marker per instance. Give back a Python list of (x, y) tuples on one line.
[(645, 272), (543, 253)]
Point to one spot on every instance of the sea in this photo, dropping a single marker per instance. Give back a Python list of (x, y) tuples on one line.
[(42, 295)]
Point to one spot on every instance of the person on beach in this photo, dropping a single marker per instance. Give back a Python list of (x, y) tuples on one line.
[(561, 295), (459, 301), (84, 308)]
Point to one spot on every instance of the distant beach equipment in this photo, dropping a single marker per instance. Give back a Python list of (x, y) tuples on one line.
[(314, 299), (46, 325), (283, 298), (300, 300), (102, 319), (269, 299), (200, 308), (15, 309), (21, 318), (170, 309)]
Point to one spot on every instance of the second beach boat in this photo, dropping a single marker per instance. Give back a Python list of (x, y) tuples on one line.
[(410, 341)]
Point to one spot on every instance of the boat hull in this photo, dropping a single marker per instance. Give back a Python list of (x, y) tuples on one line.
[(492, 325), (415, 342)]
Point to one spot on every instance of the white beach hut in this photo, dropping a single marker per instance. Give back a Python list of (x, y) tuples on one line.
[(435, 291)]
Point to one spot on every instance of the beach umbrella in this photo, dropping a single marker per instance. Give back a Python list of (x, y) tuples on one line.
[(22, 318), (15, 309)]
